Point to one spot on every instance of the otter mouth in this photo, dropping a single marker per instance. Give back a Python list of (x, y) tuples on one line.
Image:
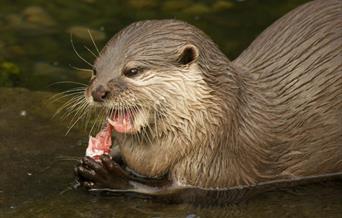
[(122, 122)]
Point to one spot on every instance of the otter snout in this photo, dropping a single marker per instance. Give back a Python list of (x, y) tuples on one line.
[(100, 93)]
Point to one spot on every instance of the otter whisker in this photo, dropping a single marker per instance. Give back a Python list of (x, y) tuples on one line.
[(79, 113), (74, 106), (123, 113), (120, 112), (87, 118), (145, 133), (92, 127), (148, 127), (99, 121), (90, 51), (91, 119), (97, 116), (60, 96), (68, 82), (73, 100), (65, 106), (74, 123), (103, 121), (138, 136), (64, 98), (81, 69), (76, 90), (133, 110), (79, 109), (155, 123), (78, 55), (93, 41)]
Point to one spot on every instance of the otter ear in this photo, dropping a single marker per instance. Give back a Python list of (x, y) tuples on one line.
[(189, 54)]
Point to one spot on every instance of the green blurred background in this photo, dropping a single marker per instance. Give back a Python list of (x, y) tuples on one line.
[(35, 48)]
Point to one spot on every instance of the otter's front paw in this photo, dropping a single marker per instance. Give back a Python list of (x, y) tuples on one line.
[(91, 174)]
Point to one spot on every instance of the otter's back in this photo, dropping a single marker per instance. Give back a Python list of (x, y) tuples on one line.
[(299, 56), (313, 29), (298, 61)]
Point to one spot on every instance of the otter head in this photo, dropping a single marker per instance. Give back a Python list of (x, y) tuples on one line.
[(150, 75)]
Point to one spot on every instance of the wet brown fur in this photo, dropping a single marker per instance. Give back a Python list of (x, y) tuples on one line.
[(273, 113)]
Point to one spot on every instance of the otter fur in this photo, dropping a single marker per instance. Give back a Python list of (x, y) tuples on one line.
[(201, 120)]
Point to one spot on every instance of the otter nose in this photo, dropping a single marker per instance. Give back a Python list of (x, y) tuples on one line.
[(100, 93)]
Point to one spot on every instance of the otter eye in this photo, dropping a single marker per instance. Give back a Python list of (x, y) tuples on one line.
[(131, 72)]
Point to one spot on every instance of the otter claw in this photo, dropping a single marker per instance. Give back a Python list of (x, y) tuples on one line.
[(94, 165), (113, 167), (88, 185), (86, 174)]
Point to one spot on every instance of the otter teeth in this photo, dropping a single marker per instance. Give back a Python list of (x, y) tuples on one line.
[(110, 121), (113, 123)]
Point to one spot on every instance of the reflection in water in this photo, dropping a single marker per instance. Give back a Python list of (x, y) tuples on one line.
[(36, 158)]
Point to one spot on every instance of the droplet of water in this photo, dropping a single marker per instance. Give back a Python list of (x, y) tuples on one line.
[(23, 113), (192, 216)]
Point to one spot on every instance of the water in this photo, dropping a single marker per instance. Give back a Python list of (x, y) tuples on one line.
[(36, 158)]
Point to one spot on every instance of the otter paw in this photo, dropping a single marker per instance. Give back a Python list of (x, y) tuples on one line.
[(91, 174)]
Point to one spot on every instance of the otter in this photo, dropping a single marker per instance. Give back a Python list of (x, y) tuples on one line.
[(186, 118)]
